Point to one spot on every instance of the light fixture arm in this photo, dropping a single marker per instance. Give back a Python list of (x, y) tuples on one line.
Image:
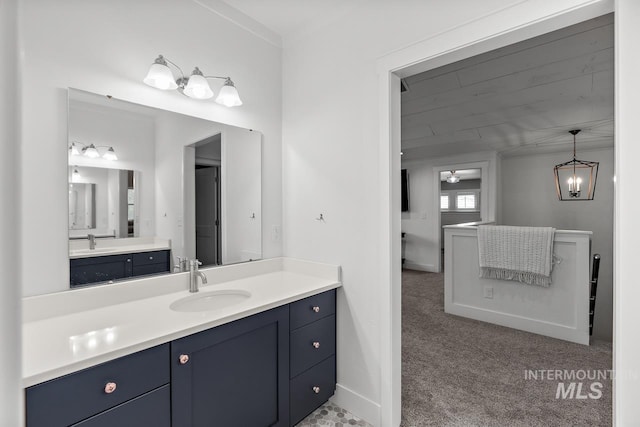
[(217, 77), (162, 60)]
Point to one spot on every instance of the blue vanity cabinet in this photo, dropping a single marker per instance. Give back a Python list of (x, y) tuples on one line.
[(312, 353), (233, 375), (128, 391), (86, 271)]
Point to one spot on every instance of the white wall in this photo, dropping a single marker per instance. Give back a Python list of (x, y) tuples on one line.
[(336, 116), (11, 409), (421, 222), (106, 48), (529, 199)]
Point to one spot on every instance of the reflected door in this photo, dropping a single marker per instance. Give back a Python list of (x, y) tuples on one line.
[(207, 215)]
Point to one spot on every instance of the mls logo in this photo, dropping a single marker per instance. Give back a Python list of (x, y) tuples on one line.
[(574, 390)]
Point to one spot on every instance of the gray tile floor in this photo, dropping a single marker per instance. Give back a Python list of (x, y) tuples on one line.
[(332, 415)]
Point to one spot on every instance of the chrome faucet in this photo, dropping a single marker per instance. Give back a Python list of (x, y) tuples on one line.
[(92, 241), (194, 274), (182, 265)]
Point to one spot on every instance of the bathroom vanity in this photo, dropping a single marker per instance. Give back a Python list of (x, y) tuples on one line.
[(263, 354)]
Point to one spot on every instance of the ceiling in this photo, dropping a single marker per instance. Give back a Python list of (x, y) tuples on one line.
[(291, 18), (516, 100)]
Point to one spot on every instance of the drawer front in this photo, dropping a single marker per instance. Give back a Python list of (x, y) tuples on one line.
[(155, 257), (75, 397), (312, 344), (150, 409), (142, 270), (303, 397), (99, 269), (311, 309)]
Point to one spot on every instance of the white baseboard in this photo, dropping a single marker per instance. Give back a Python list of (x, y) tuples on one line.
[(357, 404), (553, 330), (420, 267)]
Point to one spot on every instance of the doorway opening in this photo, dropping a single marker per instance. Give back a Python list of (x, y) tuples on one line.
[(514, 118), (207, 168)]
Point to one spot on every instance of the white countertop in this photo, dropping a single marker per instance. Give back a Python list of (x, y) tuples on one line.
[(72, 330), (80, 248)]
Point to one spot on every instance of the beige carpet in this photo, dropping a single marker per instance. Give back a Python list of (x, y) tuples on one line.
[(461, 372)]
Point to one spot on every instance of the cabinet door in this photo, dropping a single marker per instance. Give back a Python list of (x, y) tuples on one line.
[(236, 374)]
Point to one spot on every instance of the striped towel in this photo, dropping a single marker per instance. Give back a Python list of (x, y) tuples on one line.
[(523, 254)]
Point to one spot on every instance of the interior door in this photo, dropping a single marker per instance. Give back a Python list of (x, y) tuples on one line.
[(207, 215)]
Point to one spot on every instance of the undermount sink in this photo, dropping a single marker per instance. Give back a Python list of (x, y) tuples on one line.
[(209, 301)]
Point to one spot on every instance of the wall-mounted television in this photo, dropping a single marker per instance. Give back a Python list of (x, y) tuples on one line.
[(404, 183)]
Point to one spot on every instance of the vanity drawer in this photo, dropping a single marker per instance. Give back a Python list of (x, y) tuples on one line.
[(311, 309), (99, 269), (75, 397), (312, 344), (146, 258), (142, 270), (311, 389), (150, 409)]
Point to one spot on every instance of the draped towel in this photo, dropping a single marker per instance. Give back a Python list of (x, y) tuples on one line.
[(523, 254)]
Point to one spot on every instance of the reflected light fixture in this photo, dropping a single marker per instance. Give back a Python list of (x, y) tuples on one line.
[(576, 179), (91, 151), (453, 178), (195, 86)]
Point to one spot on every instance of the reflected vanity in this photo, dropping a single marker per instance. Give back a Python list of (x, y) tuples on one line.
[(180, 188)]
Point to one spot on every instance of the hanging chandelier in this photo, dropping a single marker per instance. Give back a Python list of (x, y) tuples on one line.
[(576, 179), (453, 178)]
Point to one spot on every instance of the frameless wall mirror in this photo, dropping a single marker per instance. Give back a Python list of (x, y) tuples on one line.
[(159, 185)]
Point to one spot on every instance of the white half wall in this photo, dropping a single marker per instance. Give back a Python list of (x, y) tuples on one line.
[(107, 48), (559, 311), (529, 199)]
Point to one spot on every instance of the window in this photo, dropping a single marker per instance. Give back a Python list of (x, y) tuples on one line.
[(466, 201), (444, 202)]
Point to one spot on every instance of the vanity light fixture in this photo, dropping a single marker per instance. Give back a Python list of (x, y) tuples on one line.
[(453, 178), (573, 176), (195, 86), (91, 151)]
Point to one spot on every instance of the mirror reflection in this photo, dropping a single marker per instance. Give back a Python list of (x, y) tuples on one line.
[(148, 187), (101, 201)]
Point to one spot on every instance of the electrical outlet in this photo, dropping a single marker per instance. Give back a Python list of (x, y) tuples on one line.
[(488, 292), (275, 233)]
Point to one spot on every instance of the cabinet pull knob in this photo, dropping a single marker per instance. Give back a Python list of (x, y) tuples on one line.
[(150, 257), (316, 344), (110, 387), (316, 389), (316, 309), (128, 259), (184, 358)]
